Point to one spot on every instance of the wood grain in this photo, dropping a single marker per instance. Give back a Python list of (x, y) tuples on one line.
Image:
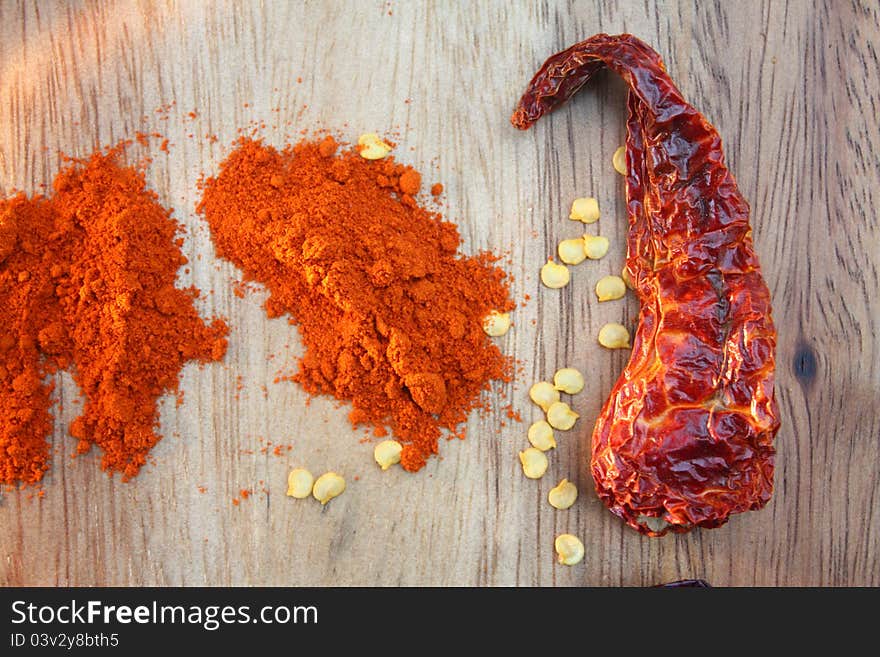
[(794, 90)]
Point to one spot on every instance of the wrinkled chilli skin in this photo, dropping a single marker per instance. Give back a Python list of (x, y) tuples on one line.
[(686, 437)]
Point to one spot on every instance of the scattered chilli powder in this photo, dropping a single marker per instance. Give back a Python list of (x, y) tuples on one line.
[(87, 279), (31, 260), (390, 315)]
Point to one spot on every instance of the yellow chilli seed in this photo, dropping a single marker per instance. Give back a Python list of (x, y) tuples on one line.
[(610, 287), (328, 486), (627, 279), (571, 252), (568, 380), (299, 483), (618, 160), (563, 495), (541, 436), (595, 246), (373, 147), (496, 324), (543, 394), (534, 463), (585, 210), (387, 453), (560, 416), (554, 275), (569, 548), (614, 336)]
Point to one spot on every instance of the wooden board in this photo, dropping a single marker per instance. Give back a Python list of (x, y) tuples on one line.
[(794, 90)]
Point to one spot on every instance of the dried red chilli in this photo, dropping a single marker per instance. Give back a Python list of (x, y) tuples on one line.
[(686, 437)]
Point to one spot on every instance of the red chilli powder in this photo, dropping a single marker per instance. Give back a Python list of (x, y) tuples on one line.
[(389, 313)]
